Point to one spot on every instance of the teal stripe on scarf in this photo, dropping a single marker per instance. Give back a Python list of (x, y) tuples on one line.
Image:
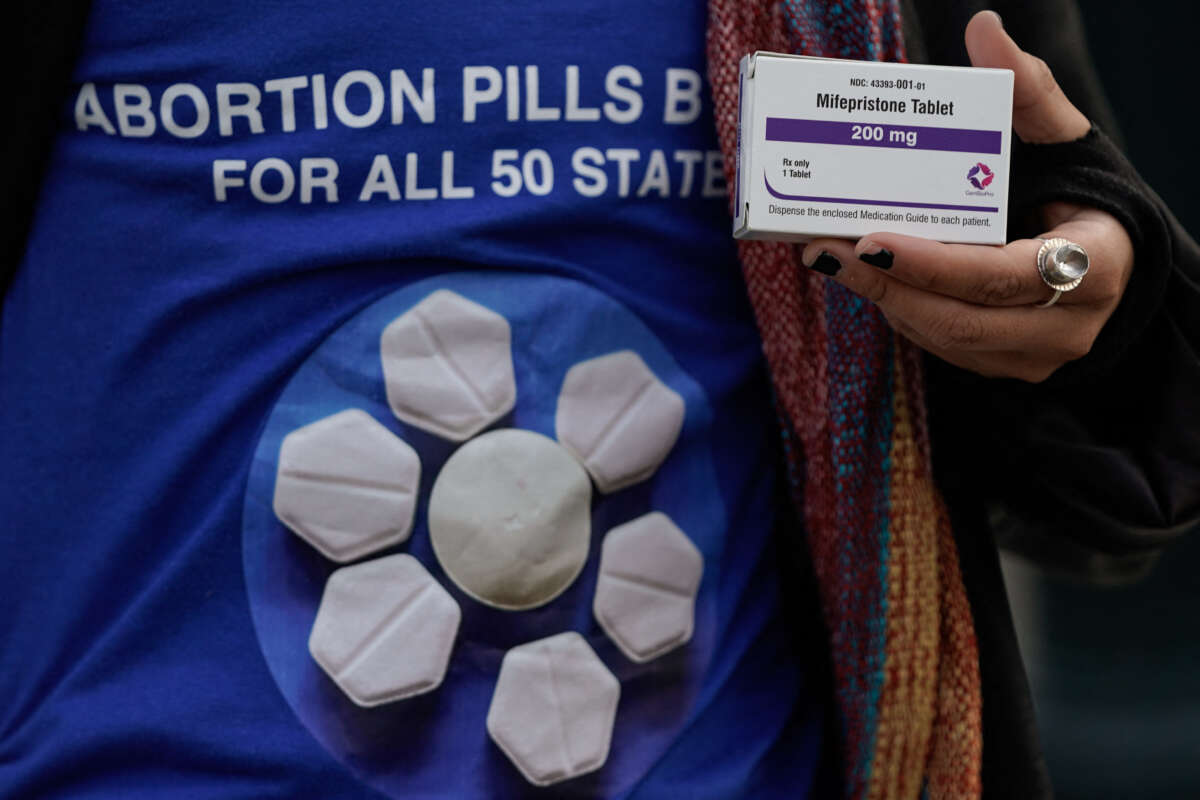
[(862, 440)]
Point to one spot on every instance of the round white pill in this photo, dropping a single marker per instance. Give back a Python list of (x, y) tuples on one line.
[(646, 593), (510, 518), (618, 418), (553, 710), (447, 366), (384, 630), (347, 485)]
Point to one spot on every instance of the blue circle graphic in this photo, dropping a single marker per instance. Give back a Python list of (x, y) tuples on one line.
[(437, 744)]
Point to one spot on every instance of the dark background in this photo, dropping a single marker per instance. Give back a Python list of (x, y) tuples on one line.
[(1116, 672), (1146, 54)]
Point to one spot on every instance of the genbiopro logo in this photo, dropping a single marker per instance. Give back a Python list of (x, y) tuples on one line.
[(980, 175)]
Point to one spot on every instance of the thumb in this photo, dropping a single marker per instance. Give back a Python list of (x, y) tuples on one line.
[(1042, 114)]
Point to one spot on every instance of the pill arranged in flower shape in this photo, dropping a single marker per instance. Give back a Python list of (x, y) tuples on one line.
[(510, 518), (646, 594), (553, 710), (618, 418), (384, 630), (447, 366), (347, 485)]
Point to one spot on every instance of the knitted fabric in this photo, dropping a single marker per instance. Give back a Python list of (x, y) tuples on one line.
[(849, 394)]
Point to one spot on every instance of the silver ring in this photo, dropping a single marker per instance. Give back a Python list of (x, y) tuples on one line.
[(1062, 265)]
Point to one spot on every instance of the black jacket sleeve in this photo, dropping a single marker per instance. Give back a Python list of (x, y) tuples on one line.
[(1095, 470), (42, 41)]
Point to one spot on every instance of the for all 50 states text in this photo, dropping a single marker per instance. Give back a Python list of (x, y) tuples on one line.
[(360, 99)]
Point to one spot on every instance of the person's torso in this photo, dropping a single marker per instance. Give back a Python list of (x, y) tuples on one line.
[(240, 203)]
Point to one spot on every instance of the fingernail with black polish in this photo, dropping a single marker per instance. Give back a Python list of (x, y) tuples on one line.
[(878, 257), (826, 264)]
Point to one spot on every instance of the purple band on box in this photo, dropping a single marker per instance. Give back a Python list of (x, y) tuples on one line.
[(905, 137)]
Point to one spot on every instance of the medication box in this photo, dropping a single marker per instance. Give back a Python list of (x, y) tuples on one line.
[(829, 147)]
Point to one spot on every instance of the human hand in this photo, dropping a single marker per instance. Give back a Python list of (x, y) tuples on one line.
[(973, 305)]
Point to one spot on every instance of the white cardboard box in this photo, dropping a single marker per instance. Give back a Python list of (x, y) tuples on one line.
[(829, 147)]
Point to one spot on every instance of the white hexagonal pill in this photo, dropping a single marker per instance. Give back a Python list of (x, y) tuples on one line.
[(618, 418), (447, 366), (646, 592), (347, 485), (384, 630), (553, 710)]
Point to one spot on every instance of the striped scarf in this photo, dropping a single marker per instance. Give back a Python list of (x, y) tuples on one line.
[(849, 395)]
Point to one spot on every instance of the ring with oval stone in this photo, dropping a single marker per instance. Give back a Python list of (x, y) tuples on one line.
[(1062, 265)]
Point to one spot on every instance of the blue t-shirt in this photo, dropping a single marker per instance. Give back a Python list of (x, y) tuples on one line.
[(239, 202)]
